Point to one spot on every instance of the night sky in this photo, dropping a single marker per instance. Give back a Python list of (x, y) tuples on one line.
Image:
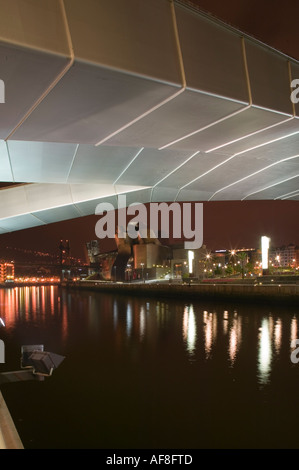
[(226, 224)]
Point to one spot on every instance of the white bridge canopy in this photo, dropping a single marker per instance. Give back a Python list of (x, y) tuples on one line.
[(151, 99)]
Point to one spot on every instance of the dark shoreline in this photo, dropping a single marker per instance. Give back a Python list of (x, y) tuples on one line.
[(272, 293)]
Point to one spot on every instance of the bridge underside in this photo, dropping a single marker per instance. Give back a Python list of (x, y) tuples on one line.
[(149, 99)]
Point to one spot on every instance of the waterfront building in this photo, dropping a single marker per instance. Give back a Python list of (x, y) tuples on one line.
[(7, 271), (285, 256)]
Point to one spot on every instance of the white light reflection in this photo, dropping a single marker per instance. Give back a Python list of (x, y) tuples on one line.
[(235, 336), (265, 352), (189, 329), (277, 335), (225, 321), (294, 327), (115, 313), (208, 332), (142, 321), (129, 319), (233, 342)]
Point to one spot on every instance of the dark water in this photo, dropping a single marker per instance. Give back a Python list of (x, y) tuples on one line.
[(143, 373)]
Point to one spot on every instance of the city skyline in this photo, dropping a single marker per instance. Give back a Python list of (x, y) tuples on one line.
[(228, 225), (273, 26)]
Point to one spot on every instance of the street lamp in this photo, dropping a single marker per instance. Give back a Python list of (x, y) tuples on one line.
[(36, 364)]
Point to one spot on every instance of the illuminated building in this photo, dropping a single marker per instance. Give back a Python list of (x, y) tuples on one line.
[(284, 256), (93, 250), (7, 271)]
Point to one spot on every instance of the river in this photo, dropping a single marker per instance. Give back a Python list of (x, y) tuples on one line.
[(153, 374)]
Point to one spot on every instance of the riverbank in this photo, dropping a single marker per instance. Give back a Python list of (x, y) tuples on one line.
[(260, 292), (12, 284)]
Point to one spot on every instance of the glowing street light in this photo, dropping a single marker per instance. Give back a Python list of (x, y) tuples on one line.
[(190, 260), (265, 241)]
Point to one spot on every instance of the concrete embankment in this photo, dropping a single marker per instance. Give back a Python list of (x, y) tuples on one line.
[(9, 437), (240, 292)]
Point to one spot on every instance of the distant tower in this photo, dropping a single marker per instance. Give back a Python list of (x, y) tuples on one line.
[(64, 252)]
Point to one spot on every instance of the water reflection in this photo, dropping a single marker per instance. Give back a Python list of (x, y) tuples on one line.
[(294, 327), (202, 332), (147, 359), (189, 329), (115, 313), (142, 321), (208, 332), (225, 321), (277, 335), (129, 319), (265, 352), (32, 305), (235, 338)]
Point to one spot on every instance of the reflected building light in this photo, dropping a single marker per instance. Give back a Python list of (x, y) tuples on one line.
[(191, 339), (64, 311), (265, 353), (115, 313), (225, 321), (38, 299), (189, 329), (277, 335), (233, 343), (129, 319), (142, 321), (10, 305), (235, 338), (64, 324), (214, 324), (4, 310), (147, 306), (33, 301), (208, 332), (294, 327), (52, 299), (271, 327), (239, 323), (185, 324), (27, 302), (43, 299)]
